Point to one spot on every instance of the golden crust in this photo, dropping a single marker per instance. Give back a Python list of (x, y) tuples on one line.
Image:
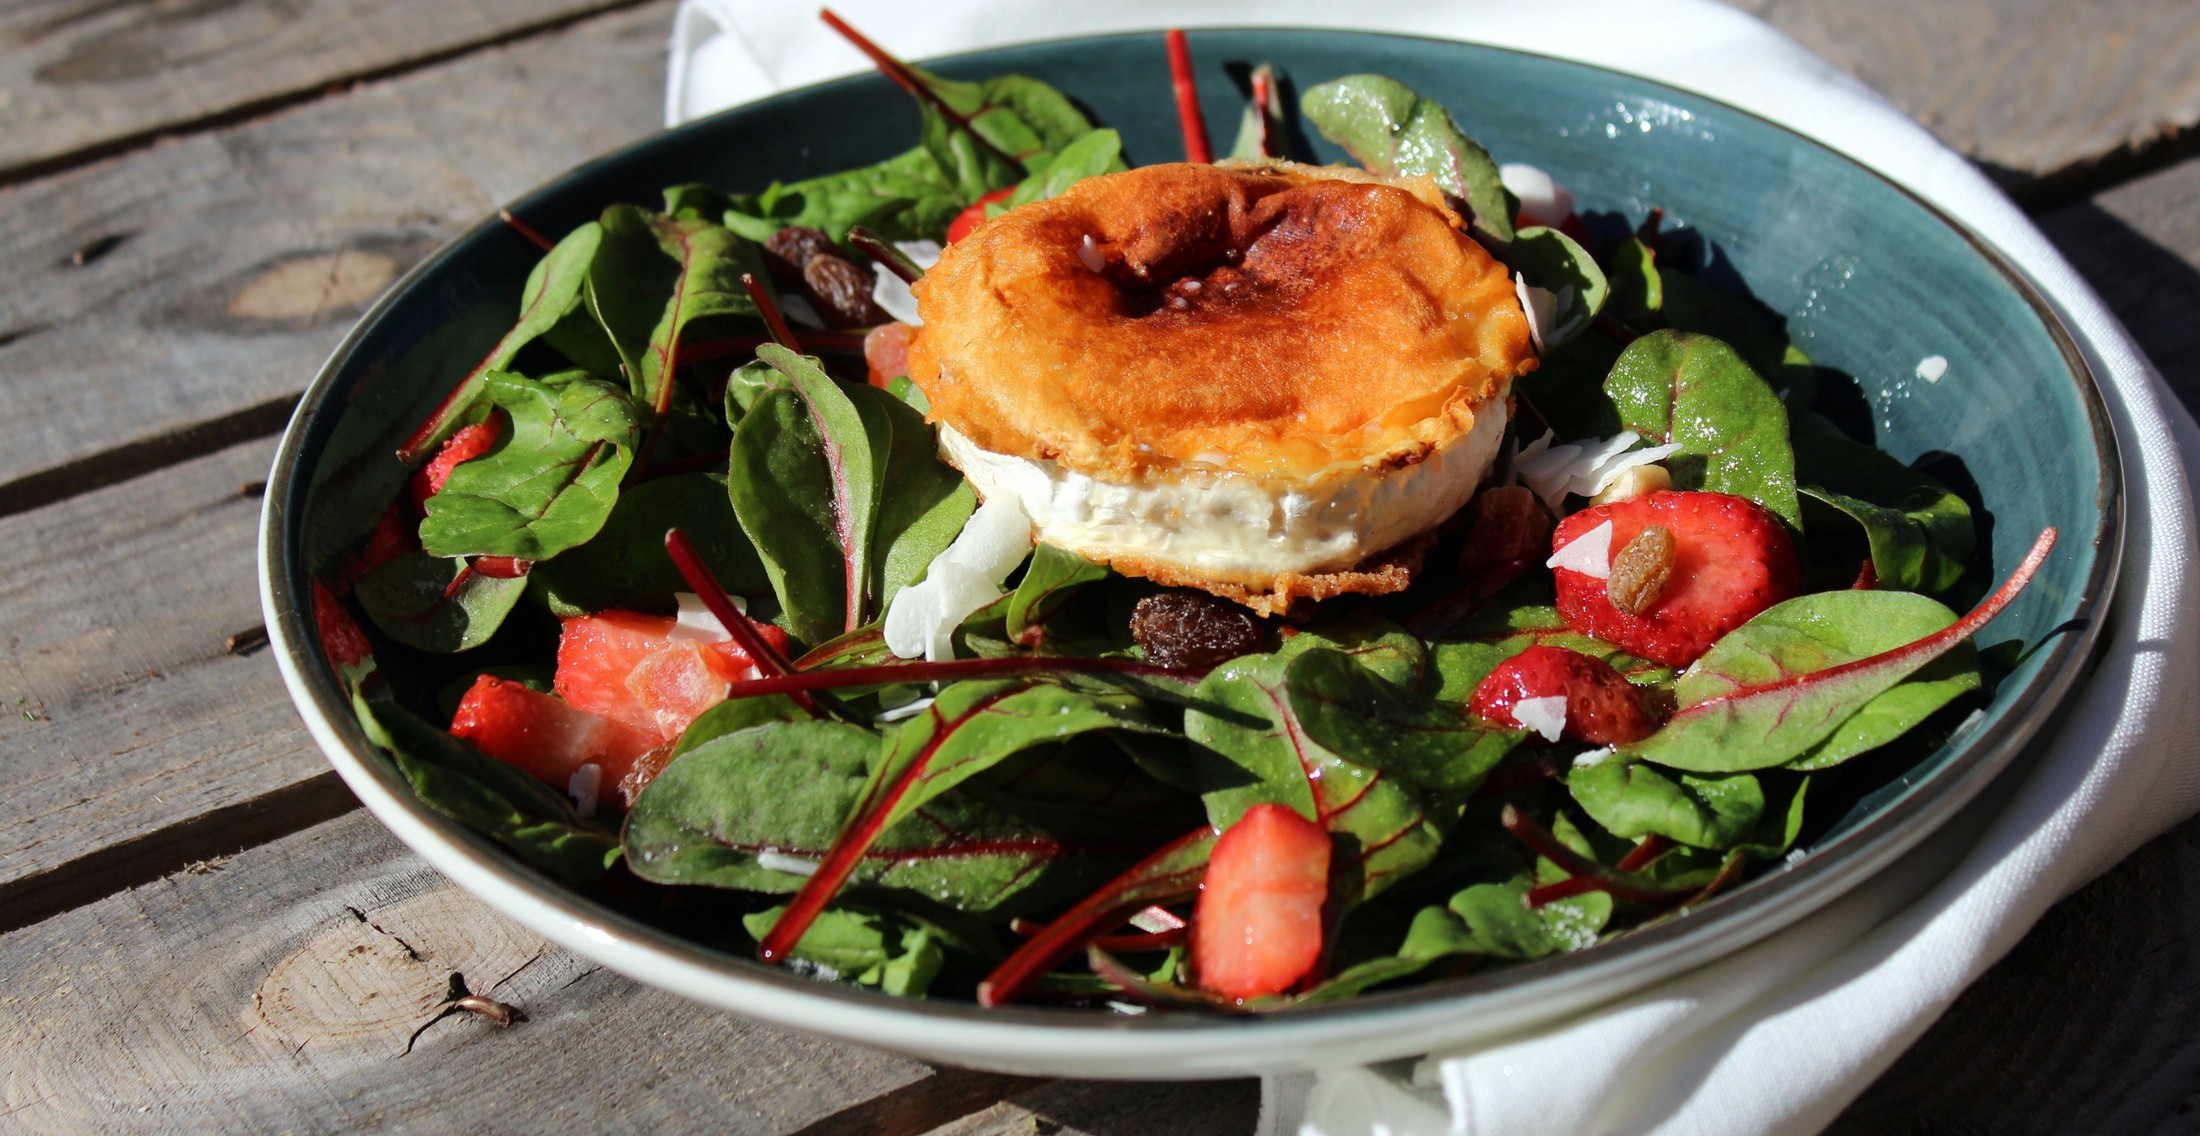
[(1281, 321), (1380, 575)]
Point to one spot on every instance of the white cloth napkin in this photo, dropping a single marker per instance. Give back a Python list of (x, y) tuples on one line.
[(1780, 1037)]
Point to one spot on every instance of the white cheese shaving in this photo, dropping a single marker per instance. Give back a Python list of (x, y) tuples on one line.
[(966, 577), (908, 709), (1546, 715), (1540, 305), (1589, 554), (891, 293), (772, 860), (1593, 757), (1542, 200), (1587, 467), (798, 310), (1932, 367), (583, 786), (696, 621)]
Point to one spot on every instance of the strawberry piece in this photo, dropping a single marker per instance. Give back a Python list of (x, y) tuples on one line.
[(546, 738), (609, 664), (1602, 708), (469, 443), (1258, 926), (974, 216), (886, 351), (1731, 560), (342, 642)]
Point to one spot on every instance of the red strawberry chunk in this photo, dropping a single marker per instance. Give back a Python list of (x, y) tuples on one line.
[(341, 640), (548, 739), (1258, 926), (974, 216), (641, 670), (1731, 560), (1602, 708), (469, 443)]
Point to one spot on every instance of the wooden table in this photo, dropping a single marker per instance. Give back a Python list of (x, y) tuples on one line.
[(199, 928)]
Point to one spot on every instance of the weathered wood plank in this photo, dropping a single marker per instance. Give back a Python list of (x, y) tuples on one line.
[(130, 736), (2086, 1027), (2139, 245), (220, 269), (1106, 1108), (86, 76), (2031, 86), (279, 990)]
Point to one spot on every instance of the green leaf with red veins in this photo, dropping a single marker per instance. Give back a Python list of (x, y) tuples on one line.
[(550, 482), (625, 565), (929, 503), (1633, 800), (1673, 386), (1919, 531), (1433, 746), (1372, 641), (782, 789), (1460, 664), (1390, 129), (1638, 289), (710, 261), (1257, 750), (553, 291), (1814, 681), (1494, 918), (414, 601), (1021, 116)]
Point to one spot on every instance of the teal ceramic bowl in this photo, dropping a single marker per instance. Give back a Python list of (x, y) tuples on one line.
[(1870, 280)]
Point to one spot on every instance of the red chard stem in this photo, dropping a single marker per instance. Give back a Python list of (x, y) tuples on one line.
[(949, 670), (907, 78), (769, 309), (883, 251), (526, 230), (1196, 148)]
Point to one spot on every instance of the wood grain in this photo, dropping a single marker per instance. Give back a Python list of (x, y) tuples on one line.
[(81, 77), (2028, 86), (219, 270), (1105, 1108), (130, 736), (279, 990)]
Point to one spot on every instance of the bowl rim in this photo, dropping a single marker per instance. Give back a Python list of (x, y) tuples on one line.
[(1377, 1026)]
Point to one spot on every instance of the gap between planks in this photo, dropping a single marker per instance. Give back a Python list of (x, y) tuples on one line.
[(320, 88)]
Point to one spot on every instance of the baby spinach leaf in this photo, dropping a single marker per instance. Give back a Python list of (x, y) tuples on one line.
[(905, 197), (735, 715), (438, 605), (1689, 304), (1019, 115), (972, 170), (1567, 387), (1347, 710), (1052, 577), (1692, 389), (1260, 127), (895, 952), (553, 290), (1390, 129), (695, 201), (1751, 702), (625, 565), (1371, 640), (551, 480), (1094, 154), (927, 506), (710, 261), (1257, 750), (1494, 919), (1920, 532), (805, 484), (1632, 800), (1552, 261), (488, 796), (784, 787), (1171, 873), (1638, 288)]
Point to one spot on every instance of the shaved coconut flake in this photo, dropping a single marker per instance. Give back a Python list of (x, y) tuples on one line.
[(1547, 469), (1154, 920), (1542, 201), (772, 860), (1540, 305), (908, 709), (1546, 716), (891, 293), (1593, 757), (696, 621), (1586, 468), (1608, 471), (585, 783), (966, 577), (798, 310), (1932, 367), (1590, 554)]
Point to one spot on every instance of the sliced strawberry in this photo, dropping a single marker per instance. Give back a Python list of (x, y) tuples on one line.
[(974, 216), (1258, 927), (608, 665), (886, 351), (545, 737), (1731, 560), (1602, 708), (469, 443), (341, 640)]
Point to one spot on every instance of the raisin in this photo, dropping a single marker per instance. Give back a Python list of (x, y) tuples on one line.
[(842, 292), (791, 248), (1509, 523), (1641, 571), (1194, 630)]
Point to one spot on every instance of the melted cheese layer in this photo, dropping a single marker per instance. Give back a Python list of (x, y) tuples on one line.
[(1232, 527)]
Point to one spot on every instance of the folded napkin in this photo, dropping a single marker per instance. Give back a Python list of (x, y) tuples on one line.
[(1780, 1037)]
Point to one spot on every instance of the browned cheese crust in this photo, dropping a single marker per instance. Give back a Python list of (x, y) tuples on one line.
[(1284, 321), (1379, 575)]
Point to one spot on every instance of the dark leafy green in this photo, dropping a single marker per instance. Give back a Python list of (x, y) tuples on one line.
[(550, 482), (438, 605), (898, 953), (1919, 530), (1672, 386), (1632, 800), (1346, 709), (1553, 261), (625, 565), (1390, 129), (1049, 582)]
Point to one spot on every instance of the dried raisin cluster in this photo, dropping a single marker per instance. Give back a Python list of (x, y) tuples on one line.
[(1195, 630)]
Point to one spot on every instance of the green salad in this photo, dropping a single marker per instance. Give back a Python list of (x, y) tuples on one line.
[(632, 616)]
